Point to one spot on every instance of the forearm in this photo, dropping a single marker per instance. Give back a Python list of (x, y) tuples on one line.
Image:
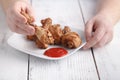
[(6, 3), (110, 8)]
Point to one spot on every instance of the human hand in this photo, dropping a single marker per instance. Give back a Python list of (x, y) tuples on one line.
[(98, 31), (16, 21)]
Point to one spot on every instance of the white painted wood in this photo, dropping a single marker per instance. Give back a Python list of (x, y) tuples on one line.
[(107, 57), (79, 66), (13, 64)]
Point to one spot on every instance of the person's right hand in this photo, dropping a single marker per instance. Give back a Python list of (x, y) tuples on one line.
[(16, 21)]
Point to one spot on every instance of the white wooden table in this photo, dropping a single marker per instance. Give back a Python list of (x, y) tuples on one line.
[(96, 64)]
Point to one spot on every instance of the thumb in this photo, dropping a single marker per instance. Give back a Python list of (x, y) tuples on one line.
[(88, 29)]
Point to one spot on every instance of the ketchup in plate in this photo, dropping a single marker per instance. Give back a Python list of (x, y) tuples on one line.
[(55, 52)]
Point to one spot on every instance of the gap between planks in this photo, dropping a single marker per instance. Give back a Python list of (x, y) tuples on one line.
[(91, 48), (28, 70)]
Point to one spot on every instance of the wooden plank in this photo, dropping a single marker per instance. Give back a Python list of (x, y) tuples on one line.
[(79, 66), (13, 64), (107, 57)]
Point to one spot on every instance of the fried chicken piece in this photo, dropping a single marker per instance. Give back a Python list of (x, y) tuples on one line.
[(31, 37), (40, 44), (66, 29), (44, 37), (46, 23), (54, 29), (71, 40), (56, 32)]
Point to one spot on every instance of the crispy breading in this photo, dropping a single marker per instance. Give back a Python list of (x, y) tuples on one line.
[(66, 29), (31, 37), (44, 35), (46, 23), (71, 40), (56, 32)]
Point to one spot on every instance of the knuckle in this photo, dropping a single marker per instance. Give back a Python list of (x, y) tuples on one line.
[(100, 44), (19, 18), (26, 27), (96, 38), (89, 22), (22, 19)]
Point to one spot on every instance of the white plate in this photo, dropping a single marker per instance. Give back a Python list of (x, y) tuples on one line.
[(20, 42)]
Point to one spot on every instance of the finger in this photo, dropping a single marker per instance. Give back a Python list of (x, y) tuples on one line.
[(19, 17), (28, 28), (23, 26), (99, 33), (21, 31), (16, 29), (88, 30), (101, 42), (105, 40), (30, 12)]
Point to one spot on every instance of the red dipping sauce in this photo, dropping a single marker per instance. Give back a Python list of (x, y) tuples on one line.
[(55, 52)]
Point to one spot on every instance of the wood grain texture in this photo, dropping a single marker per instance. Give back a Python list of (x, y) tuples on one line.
[(107, 57), (13, 64), (79, 66)]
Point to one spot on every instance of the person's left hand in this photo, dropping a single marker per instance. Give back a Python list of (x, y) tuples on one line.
[(98, 31)]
